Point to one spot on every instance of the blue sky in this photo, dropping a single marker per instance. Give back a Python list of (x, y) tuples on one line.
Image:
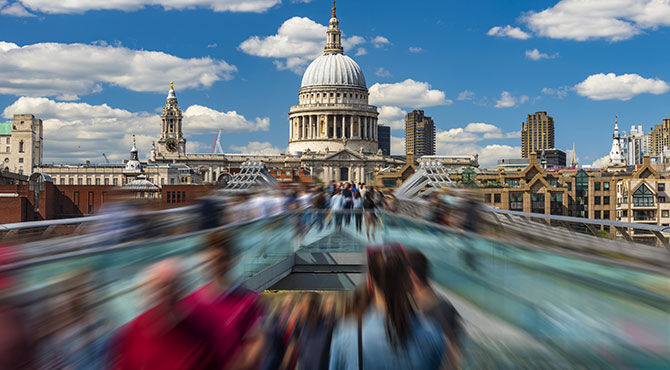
[(98, 71)]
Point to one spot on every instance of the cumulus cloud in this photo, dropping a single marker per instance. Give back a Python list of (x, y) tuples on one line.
[(256, 147), (408, 93), (508, 101), (537, 55), (380, 42), (93, 128), (397, 145), (199, 119), (560, 92), (415, 50), (601, 162), (15, 10), (508, 31), (297, 41), (383, 72), (624, 87), (473, 132), (488, 154), (81, 6), (392, 116), (599, 19), (465, 95), (55, 69)]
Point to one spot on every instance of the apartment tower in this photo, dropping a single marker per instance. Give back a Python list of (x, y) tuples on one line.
[(537, 134), (419, 134)]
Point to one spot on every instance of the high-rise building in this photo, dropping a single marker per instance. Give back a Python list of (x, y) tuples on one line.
[(635, 145), (419, 134), (659, 138), (21, 144), (384, 137), (537, 134)]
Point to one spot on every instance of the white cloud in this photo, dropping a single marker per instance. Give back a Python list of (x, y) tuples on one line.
[(199, 119), (380, 41), (397, 145), (382, 72), (473, 132), (415, 50), (624, 87), (488, 155), (392, 116), (508, 101), (508, 31), (298, 41), (466, 95), (93, 128), (54, 69), (601, 162), (16, 10), (537, 55), (560, 92), (81, 6), (256, 147), (613, 20), (212, 45), (408, 93)]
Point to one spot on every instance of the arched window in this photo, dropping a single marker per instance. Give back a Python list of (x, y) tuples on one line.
[(643, 197)]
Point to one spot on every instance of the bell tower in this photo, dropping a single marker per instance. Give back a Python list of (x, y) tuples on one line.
[(171, 143)]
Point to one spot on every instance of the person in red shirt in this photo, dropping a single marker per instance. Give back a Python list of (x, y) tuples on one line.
[(161, 338), (228, 316)]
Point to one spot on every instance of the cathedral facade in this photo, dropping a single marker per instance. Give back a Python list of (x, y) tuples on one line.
[(332, 131)]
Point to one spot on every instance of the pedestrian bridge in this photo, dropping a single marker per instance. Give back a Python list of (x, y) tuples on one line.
[(535, 300)]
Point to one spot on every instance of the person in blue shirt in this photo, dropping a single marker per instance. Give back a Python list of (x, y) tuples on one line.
[(392, 334), (337, 208)]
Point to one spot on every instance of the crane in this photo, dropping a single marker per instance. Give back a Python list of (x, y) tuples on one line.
[(105, 156)]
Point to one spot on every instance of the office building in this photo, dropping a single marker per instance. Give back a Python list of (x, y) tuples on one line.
[(384, 138), (659, 138), (419, 134), (537, 134)]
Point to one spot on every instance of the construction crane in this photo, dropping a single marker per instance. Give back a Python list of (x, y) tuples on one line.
[(216, 144), (105, 156)]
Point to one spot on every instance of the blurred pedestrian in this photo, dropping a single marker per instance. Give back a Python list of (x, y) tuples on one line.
[(390, 335), (436, 307), (337, 208), (160, 338), (226, 315), (358, 210), (369, 207)]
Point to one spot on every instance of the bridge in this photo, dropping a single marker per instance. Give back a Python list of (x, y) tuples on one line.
[(530, 294)]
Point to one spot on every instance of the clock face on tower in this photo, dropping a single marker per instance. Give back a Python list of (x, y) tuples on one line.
[(171, 145)]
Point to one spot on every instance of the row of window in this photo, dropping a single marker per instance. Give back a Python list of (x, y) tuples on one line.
[(114, 181), (176, 196)]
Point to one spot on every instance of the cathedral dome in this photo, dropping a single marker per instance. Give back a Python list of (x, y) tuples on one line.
[(333, 70)]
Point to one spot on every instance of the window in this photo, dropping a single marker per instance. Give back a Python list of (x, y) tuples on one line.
[(172, 181), (606, 185), (80, 181), (90, 202), (183, 196), (596, 200), (624, 213), (115, 182), (665, 213), (496, 198), (661, 199), (606, 215), (21, 146), (70, 181), (553, 183), (661, 187), (487, 198), (516, 201), (168, 196), (178, 197), (7, 150), (20, 160), (7, 141), (76, 198), (162, 180), (596, 215), (643, 197), (513, 183), (88, 181), (606, 200), (596, 186), (569, 186), (106, 181), (97, 181), (62, 180)]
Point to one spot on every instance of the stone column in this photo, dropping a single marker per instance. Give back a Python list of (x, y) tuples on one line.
[(374, 129), (309, 126), (351, 126), (290, 129)]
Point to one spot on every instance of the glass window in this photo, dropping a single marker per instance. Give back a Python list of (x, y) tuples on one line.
[(496, 198), (21, 146), (97, 181), (606, 215), (661, 199), (513, 183), (596, 200), (664, 213), (596, 186), (625, 213), (70, 181), (62, 180), (516, 201), (606, 185), (487, 198), (569, 186), (606, 200), (20, 160), (106, 181), (80, 181), (661, 187), (115, 182), (88, 181), (643, 197), (596, 215)]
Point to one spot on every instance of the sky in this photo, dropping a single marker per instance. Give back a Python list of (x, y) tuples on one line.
[(98, 71)]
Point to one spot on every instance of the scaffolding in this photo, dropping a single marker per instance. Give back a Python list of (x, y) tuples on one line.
[(252, 175), (431, 174)]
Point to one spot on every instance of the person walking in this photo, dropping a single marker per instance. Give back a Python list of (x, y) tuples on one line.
[(358, 210), (337, 208), (369, 207), (390, 335)]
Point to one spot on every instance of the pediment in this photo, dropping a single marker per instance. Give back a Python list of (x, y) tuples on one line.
[(345, 155)]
